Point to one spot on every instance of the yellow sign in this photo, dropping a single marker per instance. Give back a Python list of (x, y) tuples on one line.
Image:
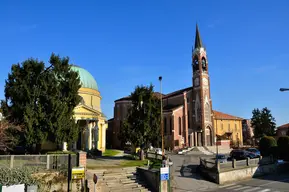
[(77, 173)]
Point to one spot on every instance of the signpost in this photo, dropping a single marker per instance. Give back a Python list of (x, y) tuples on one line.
[(78, 173), (165, 176), (94, 180)]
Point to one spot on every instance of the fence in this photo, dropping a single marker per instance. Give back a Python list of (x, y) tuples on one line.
[(57, 161), (212, 165), (152, 155)]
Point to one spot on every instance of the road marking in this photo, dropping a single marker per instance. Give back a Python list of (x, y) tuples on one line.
[(241, 188), (265, 190), (235, 186), (222, 186), (253, 189), (282, 180)]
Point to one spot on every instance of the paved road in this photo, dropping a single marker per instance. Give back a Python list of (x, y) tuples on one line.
[(185, 178), (273, 183)]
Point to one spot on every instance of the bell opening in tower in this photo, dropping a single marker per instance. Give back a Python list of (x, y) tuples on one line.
[(195, 64), (204, 64)]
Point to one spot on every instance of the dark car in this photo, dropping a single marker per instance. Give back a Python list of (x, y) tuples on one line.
[(221, 158), (239, 154), (254, 151)]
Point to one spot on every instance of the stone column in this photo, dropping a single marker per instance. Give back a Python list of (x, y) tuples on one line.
[(86, 136), (96, 132), (74, 146), (89, 136), (103, 134)]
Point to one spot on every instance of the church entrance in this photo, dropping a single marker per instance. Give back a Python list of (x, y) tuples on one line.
[(208, 136)]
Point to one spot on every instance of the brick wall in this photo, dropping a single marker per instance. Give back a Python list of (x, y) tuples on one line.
[(82, 159)]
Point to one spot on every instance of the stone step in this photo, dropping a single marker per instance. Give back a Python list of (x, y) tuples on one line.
[(126, 188)]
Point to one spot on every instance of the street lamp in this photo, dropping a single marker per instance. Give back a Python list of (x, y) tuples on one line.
[(162, 128), (284, 89)]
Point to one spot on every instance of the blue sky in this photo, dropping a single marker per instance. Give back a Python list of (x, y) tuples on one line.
[(127, 43)]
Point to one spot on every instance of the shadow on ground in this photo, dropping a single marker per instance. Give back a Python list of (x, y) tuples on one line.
[(190, 171)]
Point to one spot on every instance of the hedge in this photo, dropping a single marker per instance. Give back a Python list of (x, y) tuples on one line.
[(283, 147), (265, 145)]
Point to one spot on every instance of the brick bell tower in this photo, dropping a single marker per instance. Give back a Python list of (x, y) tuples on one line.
[(202, 114)]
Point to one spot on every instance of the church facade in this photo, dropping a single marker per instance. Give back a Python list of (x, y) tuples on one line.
[(88, 114), (188, 115)]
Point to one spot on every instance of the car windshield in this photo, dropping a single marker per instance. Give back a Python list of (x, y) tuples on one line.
[(252, 150), (221, 157)]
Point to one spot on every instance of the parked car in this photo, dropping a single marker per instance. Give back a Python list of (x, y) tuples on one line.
[(254, 151), (158, 151), (239, 154), (221, 158)]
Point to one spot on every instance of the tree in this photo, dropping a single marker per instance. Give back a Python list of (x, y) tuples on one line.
[(8, 135), (42, 99), (142, 125), (263, 122)]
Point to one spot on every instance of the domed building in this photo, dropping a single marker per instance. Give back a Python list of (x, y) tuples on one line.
[(88, 114)]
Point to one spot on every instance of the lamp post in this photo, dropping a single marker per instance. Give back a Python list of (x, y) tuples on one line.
[(217, 148), (283, 89), (162, 128)]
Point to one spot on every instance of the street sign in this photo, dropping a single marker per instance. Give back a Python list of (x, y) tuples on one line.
[(165, 177), (165, 173), (94, 179), (78, 173)]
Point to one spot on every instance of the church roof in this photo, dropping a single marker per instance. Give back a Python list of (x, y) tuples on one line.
[(178, 92), (86, 79), (224, 116), (285, 126), (170, 108), (127, 98)]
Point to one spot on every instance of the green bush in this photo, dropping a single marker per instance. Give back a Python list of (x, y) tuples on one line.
[(283, 147), (16, 176), (265, 145)]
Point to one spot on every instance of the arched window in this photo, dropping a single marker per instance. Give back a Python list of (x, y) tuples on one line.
[(204, 64), (165, 125), (189, 119), (180, 126), (207, 112), (195, 64), (171, 125)]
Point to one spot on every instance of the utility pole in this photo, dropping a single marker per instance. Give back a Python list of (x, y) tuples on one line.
[(162, 128)]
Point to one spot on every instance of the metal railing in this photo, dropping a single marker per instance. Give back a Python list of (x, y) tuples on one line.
[(211, 164), (153, 155), (52, 161)]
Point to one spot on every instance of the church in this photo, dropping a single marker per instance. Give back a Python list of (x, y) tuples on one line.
[(188, 116)]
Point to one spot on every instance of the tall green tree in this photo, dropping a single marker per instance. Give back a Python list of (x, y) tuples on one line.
[(42, 99), (142, 125), (263, 122)]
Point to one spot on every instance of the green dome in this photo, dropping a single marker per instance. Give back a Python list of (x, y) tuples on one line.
[(86, 79)]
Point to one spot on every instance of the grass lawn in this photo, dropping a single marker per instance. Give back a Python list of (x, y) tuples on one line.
[(110, 152), (134, 163), (121, 164), (60, 152)]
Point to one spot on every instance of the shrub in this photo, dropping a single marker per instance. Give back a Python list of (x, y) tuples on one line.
[(94, 153), (265, 145), (16, 176), (283, 147)]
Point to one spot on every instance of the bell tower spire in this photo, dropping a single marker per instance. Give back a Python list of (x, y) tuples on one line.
[(198, 40), (202, 119)]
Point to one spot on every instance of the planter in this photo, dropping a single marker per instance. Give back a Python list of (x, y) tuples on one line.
[(31, 188)]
